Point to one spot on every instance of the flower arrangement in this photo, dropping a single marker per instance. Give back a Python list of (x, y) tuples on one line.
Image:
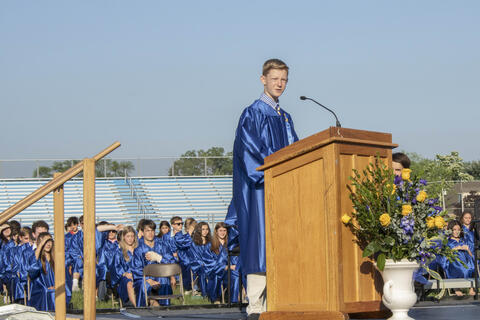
[(394, 218)]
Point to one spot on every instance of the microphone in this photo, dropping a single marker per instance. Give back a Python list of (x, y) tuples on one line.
[(321, 105)]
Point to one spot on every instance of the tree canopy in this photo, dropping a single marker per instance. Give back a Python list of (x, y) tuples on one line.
[(193, 163), (441, 171), (103, 168)]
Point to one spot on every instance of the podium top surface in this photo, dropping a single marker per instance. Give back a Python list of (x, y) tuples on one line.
[(330, 135)]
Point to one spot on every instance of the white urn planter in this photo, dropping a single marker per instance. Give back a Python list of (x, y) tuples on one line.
[(398, 290)]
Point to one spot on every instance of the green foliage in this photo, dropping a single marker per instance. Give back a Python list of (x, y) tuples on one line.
[(440, 171), (473, 169), (191, 163), (393, 218), (103, 168)]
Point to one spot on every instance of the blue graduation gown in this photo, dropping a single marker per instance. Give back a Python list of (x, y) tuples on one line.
[(106, 260), (260, 132), (183, 243), (469, 237), (197, 265), (41, 298), (121, 266), (215, 265), (18, 271), (139, 262), (456, 269)]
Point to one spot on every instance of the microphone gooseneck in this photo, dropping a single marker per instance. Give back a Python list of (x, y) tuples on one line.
[(321, 105)]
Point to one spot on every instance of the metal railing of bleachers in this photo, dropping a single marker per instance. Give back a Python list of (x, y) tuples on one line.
[(203, 198)]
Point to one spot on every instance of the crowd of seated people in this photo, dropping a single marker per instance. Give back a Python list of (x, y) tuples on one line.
[(27, 261)]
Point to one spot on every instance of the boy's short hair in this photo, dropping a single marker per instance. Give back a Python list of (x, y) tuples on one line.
[(148, 223), (274, 64), (72, 221), (176, 218), (401, 158), (39, 224)]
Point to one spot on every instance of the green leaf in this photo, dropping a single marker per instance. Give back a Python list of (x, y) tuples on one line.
[(381, 261), (370, 249)]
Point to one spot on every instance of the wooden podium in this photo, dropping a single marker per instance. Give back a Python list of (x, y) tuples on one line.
[(314, 268)]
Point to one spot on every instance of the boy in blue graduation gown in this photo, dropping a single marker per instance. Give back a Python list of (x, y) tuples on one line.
[(152, 250), (263, 129)]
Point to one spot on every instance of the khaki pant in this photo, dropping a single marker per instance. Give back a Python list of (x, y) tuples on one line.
[(257, 292)]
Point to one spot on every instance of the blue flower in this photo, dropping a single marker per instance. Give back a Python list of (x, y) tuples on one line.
[(398, 180), (423, 181)]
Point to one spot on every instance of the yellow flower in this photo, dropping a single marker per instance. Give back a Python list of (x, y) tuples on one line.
[(430, 222), (384, 219), (346, 218), (406, 174), (394, 189), (440, 222), (406, 209), (421, 196)]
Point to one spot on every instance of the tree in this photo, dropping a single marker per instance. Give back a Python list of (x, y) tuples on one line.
[(103, 168), (473, 169), (193, 163), (439, 172)]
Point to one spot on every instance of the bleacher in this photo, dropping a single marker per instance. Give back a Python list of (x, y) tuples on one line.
[(120, 200)]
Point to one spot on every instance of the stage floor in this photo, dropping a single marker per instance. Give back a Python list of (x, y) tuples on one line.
[(459, 310)]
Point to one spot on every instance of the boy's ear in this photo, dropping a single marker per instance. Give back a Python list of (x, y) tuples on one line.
[(263, 79)]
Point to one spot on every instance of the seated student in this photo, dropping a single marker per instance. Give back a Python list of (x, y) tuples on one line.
[(202, 239), (77, 247), (139, 230), (71, 228), (106, 261), (38, 227), (122, 270), (467, 227), (164, 229), (400, 161), (183, 241), (171, 238), (216, 265), (456, 269), (40, 269), (152, 250), (7, 242), (19, 266)]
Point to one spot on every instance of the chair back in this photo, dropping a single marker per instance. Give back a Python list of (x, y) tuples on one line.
[(162, 270)]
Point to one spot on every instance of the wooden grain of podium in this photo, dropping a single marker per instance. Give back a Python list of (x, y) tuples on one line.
[(314, 269)]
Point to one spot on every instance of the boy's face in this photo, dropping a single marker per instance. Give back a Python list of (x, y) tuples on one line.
[(275, 82), (148, 233), (177, 225), (397, 168)]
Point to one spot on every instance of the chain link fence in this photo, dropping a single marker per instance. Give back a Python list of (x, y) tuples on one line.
[(121, 167)]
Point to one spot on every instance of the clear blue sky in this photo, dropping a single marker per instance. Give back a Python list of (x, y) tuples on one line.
[(163, 77)]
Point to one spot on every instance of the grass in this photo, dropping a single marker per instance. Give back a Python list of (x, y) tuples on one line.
[(77, 301)]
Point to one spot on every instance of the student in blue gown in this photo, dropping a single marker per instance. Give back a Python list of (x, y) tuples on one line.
[(38, 227), (202, 239), (105, 264), (216, 263), (41, 272), (263, 129), (72, 229), (101, 232), (152, 250), (122, 267), (183, 242), (456, 269), (19, 267), (467, 227), (8, 243)]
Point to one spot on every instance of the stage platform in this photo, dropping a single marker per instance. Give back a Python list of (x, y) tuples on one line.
[(447, 310)]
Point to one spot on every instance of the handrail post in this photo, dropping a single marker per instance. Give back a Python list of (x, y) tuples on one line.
[(58, 210), (89, 306)]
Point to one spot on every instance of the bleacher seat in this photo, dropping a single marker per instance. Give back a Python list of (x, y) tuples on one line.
[(120, 200)]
